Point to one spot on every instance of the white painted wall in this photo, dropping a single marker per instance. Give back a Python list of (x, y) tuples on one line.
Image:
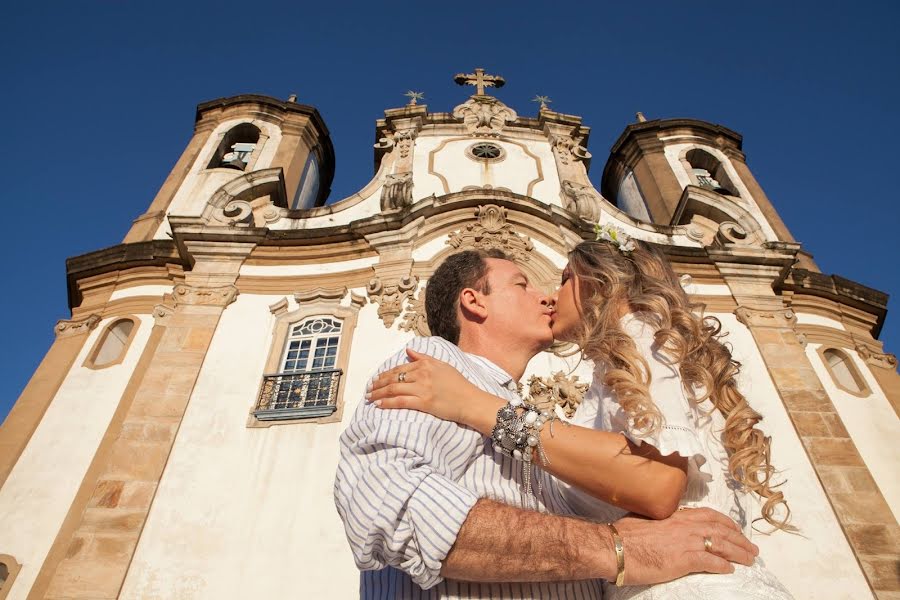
[(813, 319), (40, 489), (818, 563), (871, 423), (247, 512), (140, 290), (237, 502)]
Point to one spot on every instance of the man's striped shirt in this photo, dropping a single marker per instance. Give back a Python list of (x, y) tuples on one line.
[(407, 480)]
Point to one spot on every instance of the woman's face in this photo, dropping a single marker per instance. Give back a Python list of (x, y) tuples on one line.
[(567, 301)]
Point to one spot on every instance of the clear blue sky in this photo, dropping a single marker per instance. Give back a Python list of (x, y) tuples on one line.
[(99, 98)]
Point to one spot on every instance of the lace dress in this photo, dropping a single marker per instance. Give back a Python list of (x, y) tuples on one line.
[(693, 431)]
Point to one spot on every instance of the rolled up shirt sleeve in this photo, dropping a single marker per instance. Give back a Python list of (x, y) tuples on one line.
[(396, 487)]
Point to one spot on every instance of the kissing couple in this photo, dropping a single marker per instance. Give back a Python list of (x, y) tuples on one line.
[(452, 485)]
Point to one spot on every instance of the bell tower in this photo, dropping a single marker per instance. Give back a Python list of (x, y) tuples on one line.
[(653, 163), (236, 137)]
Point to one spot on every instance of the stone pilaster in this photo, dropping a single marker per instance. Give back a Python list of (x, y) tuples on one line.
[(93, 552), (861, 510)]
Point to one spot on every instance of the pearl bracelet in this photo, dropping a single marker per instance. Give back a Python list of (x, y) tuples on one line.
[(517, 434)]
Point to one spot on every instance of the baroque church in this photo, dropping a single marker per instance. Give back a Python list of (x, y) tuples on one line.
[(180, 438)]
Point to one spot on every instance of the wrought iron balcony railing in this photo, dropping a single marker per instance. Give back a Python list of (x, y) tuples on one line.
[(298, 395)]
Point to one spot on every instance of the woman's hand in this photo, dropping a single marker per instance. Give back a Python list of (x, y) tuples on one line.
[(428, 385)]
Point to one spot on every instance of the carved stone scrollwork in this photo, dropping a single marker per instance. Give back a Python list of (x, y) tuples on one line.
[(67, 328), (583, 200), (732, 233), (484, 115), (557, 390), (403, 140), (201, 296), (414, 319), (752, 317), (877, 359), (390, 296), (397, 191), (568, 148), (491, 231), (238, 213)]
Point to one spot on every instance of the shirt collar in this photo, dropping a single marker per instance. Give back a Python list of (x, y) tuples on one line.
[(499, 375)]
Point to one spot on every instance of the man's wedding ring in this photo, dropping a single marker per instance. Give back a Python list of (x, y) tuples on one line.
[(707, 543), (401, 377)]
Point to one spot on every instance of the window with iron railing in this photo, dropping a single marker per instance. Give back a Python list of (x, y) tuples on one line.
[(308, 381)]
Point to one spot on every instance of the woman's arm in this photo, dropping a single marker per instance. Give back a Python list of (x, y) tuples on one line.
[(606, 465)]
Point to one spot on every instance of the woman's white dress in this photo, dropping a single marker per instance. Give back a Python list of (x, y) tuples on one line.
[(693, 431)]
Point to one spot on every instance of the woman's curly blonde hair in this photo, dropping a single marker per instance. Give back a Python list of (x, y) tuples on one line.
[(643, 282)]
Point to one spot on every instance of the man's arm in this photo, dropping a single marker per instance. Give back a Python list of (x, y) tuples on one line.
[(503, 543), (396, 487)]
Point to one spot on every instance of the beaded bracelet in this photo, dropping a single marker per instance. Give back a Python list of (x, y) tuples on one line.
[(517, 434)]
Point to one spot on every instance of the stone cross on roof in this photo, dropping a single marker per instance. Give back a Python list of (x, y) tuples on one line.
[(479, 80)]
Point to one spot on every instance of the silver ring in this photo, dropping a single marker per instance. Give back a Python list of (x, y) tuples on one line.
[(707, 543), (401, 377)]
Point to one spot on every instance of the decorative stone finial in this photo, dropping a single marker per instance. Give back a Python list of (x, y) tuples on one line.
[(479, 80), (542, 100), (414, 97), (292, 98), (640, 117)]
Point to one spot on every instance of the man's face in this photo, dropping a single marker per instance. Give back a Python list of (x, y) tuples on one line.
[(516, 309)]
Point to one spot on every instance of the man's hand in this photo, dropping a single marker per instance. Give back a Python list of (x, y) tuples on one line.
[(658, 551)]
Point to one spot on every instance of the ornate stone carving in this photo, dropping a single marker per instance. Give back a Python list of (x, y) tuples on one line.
[(877, 359), (492, 231), (68, 328), (732, 233), (414, 318), (397, 191), (238, 213), (205, 296), (390, 296), (484, 115), (583, 200), (404, 140), (557, 390), (568, 148), (752, 317)]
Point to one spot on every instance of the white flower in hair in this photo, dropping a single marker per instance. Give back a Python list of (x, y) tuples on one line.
[(616, 236)]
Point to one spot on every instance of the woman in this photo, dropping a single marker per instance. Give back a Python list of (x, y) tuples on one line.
[(663, 424)]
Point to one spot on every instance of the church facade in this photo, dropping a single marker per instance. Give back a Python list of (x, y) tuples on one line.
[(180, 438)]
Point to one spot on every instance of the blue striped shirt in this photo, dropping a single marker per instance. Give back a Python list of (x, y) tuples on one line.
[(406, 481)]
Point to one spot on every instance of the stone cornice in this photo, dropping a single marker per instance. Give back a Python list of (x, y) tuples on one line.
[(839, 289), (162, 252), (120, 258)]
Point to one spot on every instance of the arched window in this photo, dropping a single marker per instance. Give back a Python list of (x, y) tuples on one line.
[(236, 147), (707, 172), (308, 189), (630, 199), (112, 344), (307, 383), (9, 568), (844, 372)]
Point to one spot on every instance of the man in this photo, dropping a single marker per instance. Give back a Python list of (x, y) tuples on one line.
[(432, 511)]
